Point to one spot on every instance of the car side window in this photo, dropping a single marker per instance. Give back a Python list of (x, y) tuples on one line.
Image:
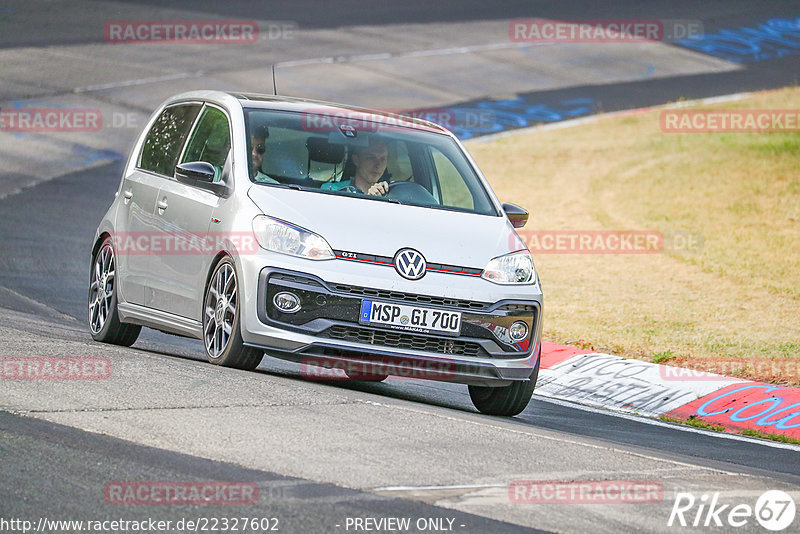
[(210, 141), (166, 138)]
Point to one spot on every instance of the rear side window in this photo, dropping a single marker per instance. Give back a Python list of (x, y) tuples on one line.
[(166, 138), (211, 140)]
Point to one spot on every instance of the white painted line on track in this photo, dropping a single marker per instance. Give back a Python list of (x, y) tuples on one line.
[(320, 61), (310, 61), (456, 486), (366, 57), (416, 53), (469, 49), (35, 304), (139, 81)]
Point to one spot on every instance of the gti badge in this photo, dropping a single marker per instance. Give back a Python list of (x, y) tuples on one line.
[(410, 264)]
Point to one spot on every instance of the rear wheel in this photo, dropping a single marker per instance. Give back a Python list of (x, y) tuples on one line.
[(507, 400), (104, 322), (222, 335)]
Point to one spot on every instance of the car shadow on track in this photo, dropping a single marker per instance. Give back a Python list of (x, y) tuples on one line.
[(425, 392)]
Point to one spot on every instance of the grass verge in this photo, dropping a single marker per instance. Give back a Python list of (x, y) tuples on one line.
[(730, 306), (699, 423)]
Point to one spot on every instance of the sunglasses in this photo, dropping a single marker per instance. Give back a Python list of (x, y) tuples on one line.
[(260, 149)]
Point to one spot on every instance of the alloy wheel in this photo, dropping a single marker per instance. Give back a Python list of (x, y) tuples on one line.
[(101, 288), (220, 310)]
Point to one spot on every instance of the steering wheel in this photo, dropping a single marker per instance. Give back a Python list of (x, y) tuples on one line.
[(411, 192)]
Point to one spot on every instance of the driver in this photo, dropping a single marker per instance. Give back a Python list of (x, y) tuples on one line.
[(370, 164), (258, 142)]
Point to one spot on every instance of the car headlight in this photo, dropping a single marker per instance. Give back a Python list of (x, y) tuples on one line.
[(279, 236), (514, 268)]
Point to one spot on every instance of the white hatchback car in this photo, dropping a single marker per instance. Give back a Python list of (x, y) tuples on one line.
[(335, 237)]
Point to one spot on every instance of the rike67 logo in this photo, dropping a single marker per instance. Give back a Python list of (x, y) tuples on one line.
[(774, 510)]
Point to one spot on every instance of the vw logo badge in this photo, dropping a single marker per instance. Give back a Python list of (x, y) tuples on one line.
[(410, 264)]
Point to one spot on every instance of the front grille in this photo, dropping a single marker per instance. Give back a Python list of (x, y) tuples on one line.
[(441, 345), (409, 297)]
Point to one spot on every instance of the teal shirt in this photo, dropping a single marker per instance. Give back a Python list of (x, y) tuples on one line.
[(263, 178), (337, 186)]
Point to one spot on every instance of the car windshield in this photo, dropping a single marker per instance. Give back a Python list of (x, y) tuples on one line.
[(340, 155)]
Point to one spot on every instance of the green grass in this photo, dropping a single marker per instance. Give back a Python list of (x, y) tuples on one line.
[(661, 357), (699, 423), (773, 437), (693, 421)]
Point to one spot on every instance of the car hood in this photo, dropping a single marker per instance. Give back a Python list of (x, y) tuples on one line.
[(382, 228)]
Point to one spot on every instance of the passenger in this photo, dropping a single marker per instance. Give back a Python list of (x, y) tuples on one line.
[(370, 164)]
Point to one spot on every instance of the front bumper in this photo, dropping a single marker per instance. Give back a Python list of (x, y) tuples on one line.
[(326, 332)]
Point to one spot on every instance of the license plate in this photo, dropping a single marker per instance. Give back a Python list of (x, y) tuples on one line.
[(410, 318)]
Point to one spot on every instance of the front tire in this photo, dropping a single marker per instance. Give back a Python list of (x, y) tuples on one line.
[(104, 323), (506, 401), (222, 336)]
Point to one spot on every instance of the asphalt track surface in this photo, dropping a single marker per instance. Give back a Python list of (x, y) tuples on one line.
[(60, 446), (43, 28)]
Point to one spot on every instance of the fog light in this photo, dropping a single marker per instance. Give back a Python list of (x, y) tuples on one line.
[(286, 302), (518, 330)]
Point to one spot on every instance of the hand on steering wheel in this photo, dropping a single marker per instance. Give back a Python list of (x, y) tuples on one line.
[(378, 189)]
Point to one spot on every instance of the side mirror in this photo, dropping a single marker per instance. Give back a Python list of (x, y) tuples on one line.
[(195, 171), (201, 174), (515, 214)]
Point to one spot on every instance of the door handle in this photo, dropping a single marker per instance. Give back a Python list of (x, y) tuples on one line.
[(162, 204), (128, 194)]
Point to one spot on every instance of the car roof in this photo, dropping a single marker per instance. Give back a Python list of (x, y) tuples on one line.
[(305, 105)]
